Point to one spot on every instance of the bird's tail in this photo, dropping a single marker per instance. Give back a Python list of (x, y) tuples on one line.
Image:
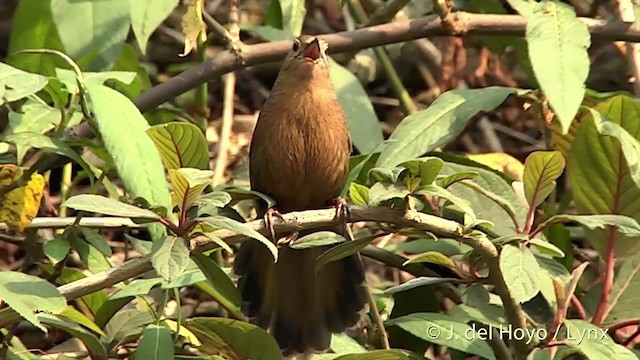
[(300, 308)]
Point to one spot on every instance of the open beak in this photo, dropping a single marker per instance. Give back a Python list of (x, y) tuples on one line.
[(312, 50)]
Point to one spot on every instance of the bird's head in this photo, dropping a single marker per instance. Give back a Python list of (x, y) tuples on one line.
[(307, 58)]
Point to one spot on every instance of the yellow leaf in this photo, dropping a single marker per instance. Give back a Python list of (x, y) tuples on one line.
[(19, 206), (502, 162), (192, 25)]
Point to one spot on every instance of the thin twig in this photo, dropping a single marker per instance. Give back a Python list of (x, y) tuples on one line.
[(228, 105)]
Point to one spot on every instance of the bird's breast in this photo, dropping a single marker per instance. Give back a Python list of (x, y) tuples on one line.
[(300, 153)]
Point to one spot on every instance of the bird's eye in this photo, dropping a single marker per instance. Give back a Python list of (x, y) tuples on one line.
[(296, 45)]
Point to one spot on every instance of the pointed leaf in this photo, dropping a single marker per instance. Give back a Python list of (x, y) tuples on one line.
[(224, 292), (444, 330), (376, 355), (155, 344), (440, 123), (93, 28), (457, 177), (28, 294), (293, 12), (188, 185), (433, 257), (359, 194), (146, 16), (600, 177), (417, 282), (521, 272), (341, 251), (136, 158), (181, 145), (222, 222), (320, 238), (541, 169), (95, 348), (233, 339), (107, 206), (16, 84), (170, 257), (558, 43)]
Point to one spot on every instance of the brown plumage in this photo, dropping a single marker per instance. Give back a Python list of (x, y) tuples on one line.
[(300, 157)]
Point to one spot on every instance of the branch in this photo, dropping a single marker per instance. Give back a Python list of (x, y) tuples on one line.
[(294, 221), (464, 24)]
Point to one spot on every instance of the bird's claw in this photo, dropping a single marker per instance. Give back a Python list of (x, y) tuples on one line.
[(268, 220), (342, 212)]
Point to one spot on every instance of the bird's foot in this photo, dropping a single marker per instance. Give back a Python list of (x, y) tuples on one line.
[(269, 222), (342, 212)]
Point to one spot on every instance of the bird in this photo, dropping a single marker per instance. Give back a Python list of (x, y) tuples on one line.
[(299, 156)]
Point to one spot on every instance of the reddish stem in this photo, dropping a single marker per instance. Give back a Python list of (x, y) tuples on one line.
[(578, 306), (607, 285)]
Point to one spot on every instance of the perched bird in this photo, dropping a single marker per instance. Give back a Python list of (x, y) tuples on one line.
[(299, 156)]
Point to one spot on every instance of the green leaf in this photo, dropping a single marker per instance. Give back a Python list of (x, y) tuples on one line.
[(155, 344), (181, 145), (341, 251), (28, 294), (233, 339), (523, 7), (16, 84), (600, 177), (440, 123), (376, 355), (68, 78), (625, 295), (487, 314), (170, 257), (484, 207), (76, 316), (457, 177), (57, 249), (146, 16), (462, 204), (541, 169), (588, 339), (38, 118), (546, 247), (293, 12), (92, 29), (224, 292), (320, 238), (345, 344), (93, 259), (359, 194), (95, 348), (626, 226), (93, 237), (33, 28), (558, 43), (136, 158), (136, 288), (381, 192), (214, 199), (188, 185), (521, 272), (444, 330), (497, 199), (362, 120), (126, 324), (433, 257), (629, 145), (24, 141), (417, 282), (107, 206), (273, 15), (230, 224)]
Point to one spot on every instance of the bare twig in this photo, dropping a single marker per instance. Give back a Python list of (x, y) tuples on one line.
[(227, 111)]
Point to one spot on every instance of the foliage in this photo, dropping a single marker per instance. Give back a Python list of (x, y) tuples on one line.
[(505, 238)]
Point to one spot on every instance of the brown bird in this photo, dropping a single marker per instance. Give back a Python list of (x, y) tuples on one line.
[(299, 156)]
